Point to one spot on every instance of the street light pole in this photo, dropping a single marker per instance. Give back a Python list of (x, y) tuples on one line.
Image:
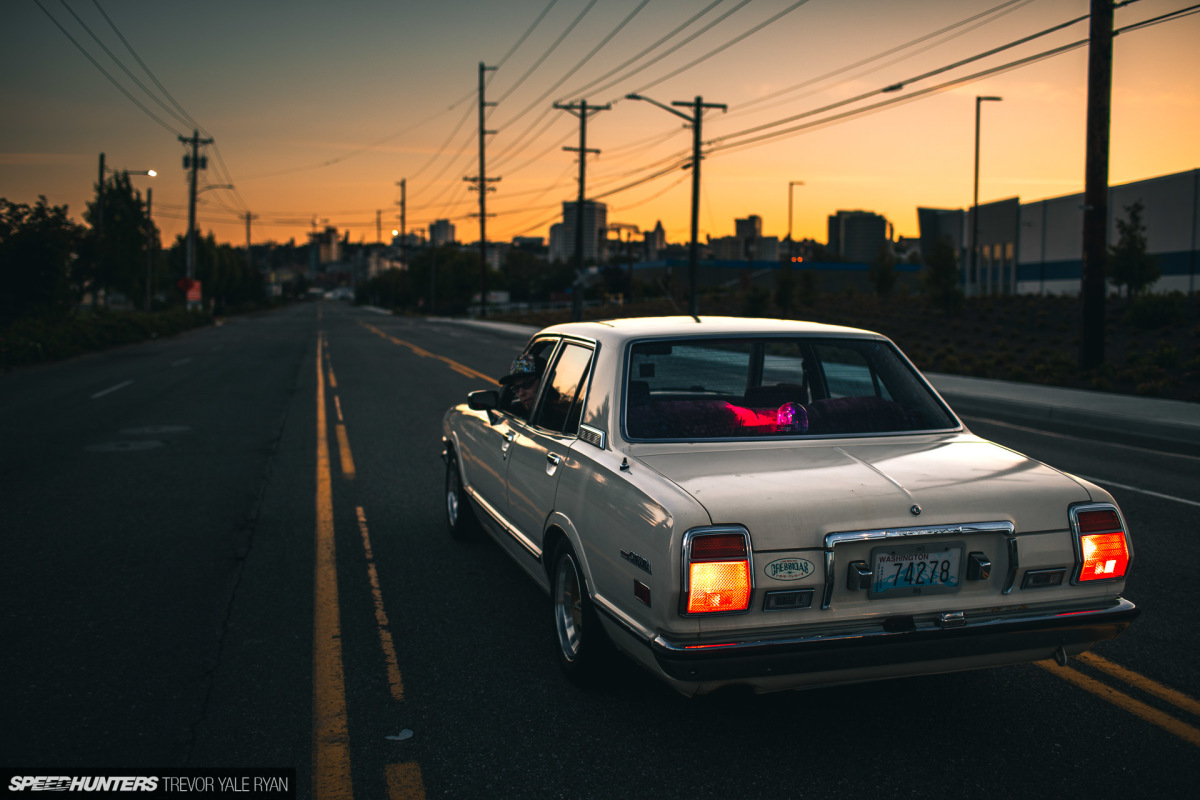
[(697, 106), (979, 100), (791, 241)]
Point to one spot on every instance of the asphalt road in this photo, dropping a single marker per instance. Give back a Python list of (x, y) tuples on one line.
[(164, 603)]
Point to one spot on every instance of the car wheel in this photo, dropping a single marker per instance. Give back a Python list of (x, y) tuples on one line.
[(583, 647), (460, 517)]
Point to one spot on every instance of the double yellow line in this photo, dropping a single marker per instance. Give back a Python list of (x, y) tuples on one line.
[(332, 778), (1139, 708)]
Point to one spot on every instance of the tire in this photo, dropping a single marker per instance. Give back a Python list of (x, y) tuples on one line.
[(460, 516), (581, 643)]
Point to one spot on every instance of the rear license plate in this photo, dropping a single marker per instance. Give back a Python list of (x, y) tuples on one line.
[(907, 570)]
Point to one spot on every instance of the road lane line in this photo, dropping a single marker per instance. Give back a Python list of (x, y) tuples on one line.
[(331, 735), (460, 368), (404, 782), (332, 380), (1172, 696), (1159, 495), (337, 401), (111, 389), (1123, 701), (395, 682), (344, 452), (1041, 432)]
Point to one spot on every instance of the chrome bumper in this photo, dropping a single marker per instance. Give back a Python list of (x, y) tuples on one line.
[(925, 643)]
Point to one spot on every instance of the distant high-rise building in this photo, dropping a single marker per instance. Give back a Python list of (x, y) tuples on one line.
[(441, 232), (856, 236), (595, 226), (656, 241)]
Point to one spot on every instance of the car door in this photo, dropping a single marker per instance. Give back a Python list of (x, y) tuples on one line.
[(487, 443), (542, 445)]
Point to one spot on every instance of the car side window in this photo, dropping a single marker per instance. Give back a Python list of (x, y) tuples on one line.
[(564, 390), (509, 400), (848, 374)]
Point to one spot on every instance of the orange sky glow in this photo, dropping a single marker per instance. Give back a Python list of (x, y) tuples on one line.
[(318, 111)]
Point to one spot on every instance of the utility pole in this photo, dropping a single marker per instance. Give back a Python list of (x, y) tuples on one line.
[(1095, 193), (194, 163), (249, 255), (378, 226), (698, 106), (149, 244), (403, 184), (99, 233), (481, 182), (581, 110)]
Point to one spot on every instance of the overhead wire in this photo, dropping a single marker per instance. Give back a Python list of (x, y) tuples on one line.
[(104, 72), (898, 84), (1000, 10), (541, 59), (722, 47)]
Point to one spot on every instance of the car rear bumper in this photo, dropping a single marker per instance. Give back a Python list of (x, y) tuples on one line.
[(984, 642)]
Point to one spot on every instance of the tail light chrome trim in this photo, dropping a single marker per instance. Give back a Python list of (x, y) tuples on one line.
[(1078, 533), (689, 542)]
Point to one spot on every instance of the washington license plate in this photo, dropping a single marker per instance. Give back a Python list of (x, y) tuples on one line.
[(907, 570)]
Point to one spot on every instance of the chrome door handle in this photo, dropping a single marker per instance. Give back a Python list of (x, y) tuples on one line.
[(554, 459)]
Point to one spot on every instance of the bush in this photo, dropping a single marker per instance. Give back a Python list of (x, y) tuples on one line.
[(1153, 311)]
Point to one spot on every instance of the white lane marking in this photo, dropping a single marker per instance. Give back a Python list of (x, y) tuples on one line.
[(111, 389), (1140, 491), (1078, 438), (180, 362)]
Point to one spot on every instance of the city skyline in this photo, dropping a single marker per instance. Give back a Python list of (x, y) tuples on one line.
[(318, 116)]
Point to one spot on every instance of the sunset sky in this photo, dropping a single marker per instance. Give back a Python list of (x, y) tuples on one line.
[(318, 110)]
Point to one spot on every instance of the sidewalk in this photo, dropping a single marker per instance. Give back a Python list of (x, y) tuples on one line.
[(1169, 424)]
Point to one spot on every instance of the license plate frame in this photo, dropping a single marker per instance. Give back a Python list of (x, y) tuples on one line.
[(908, 570)]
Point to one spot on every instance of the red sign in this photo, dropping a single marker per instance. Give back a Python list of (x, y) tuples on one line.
[(191, 288)]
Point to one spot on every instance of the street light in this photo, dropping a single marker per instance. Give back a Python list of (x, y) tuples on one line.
[(694, 120), (791, 241), (104, 170), (979, 100)]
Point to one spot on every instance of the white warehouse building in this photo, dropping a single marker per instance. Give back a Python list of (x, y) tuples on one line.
[(1037, 248)]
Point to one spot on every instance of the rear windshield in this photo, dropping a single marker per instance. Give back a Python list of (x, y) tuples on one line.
[(690, 389)]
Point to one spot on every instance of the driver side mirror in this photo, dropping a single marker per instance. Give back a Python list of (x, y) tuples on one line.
[(484, 400)]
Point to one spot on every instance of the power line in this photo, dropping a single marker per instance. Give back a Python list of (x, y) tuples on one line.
[(104, 72), (551, 49), (723, 47), (1006, 7), (525, 35), (187, 117), (674, 48)]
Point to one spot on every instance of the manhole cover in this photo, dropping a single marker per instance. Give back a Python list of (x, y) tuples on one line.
[(115, 447)]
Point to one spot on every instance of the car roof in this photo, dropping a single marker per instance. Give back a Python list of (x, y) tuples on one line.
[(627, 328)]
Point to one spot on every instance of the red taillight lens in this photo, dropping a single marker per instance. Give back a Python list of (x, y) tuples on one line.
[(1097, 521), (1105, 556), (718, 574), (718, 546), (1102, 544), (718, 586)]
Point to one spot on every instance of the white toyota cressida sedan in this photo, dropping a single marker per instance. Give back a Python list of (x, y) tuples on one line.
[(777, 505)]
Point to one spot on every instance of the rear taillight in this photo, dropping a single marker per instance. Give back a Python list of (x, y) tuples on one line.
[(717, 571), (1103, 549)]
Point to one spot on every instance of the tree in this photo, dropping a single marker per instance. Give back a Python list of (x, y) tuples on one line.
[(115, 256), (941, 276), (37, 246), (1130, 265), (785, 289), (883, 270)]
